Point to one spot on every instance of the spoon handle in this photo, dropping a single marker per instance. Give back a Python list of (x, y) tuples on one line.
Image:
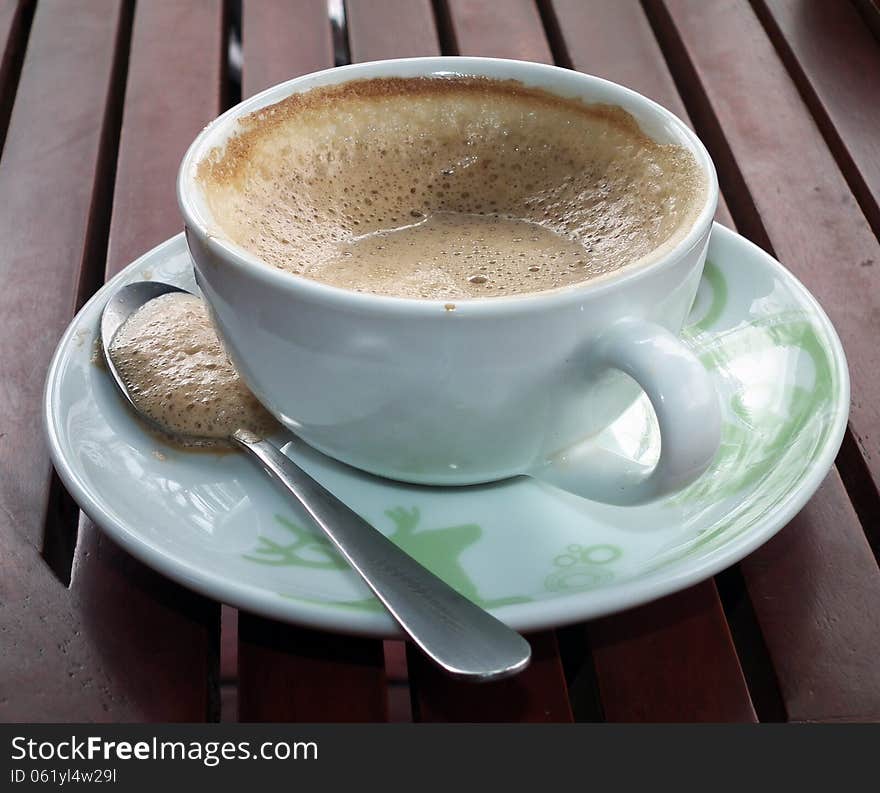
[(462, 638)]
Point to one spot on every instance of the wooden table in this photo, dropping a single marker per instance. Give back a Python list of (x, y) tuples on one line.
[(98, 100)]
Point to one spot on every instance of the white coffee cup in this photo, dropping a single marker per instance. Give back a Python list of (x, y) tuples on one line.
[(501, 386)]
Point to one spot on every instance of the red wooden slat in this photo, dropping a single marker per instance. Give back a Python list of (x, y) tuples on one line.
[(380, 29), (229, 702), (538, 694), (228, 663), (283, 40), (148, 623), (814, 588), (157, 638), (228, 644), (670, 661), (804, 209), (634, 685), (509, 30), (399, 705), (47, 181), (285, 673), (52, 668), (833, 55), (591, 33), (173, 90), (301, 675)]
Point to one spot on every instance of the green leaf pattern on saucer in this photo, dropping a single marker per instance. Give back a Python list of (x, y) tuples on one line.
[(579, 568), (437, 548)]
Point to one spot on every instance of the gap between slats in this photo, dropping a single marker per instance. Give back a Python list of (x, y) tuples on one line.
[(11, 59), (870, 13), (554, 33), (339, 32), (445, 29), (749, 641), (860, 489)]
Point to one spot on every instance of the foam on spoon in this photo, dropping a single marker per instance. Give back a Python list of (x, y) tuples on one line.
[(179, 375)]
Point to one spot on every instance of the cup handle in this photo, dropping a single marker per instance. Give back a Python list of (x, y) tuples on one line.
[(687, 409)]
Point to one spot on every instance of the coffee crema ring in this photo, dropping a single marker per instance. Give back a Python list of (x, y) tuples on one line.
[(448, 188)]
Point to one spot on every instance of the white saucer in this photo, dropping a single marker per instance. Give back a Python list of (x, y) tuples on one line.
[(536, 556)]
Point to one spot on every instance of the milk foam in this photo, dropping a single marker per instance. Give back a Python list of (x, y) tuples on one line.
[(449, 188), (178, 373)]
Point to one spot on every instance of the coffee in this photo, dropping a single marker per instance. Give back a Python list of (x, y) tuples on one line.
[(449, 188)]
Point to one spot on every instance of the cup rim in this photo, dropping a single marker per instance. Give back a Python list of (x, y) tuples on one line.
[(197, 220)]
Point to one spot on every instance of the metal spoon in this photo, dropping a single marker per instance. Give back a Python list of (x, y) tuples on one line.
[(463, 639)]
